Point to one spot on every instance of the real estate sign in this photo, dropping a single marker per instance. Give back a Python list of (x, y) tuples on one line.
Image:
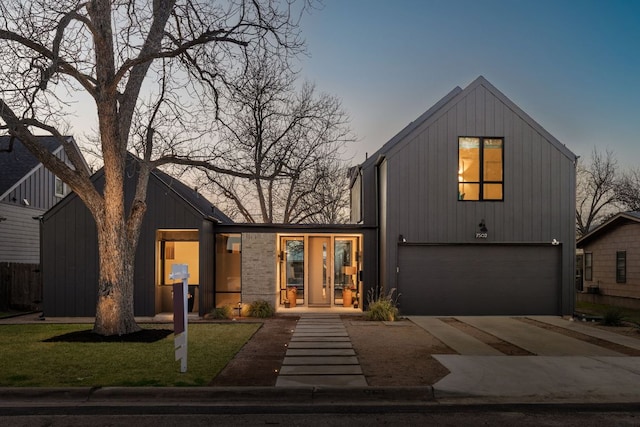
[(180, 291)]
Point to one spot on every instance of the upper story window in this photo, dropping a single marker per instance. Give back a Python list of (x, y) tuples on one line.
[(480, 168), (356, 197), (60, 188)]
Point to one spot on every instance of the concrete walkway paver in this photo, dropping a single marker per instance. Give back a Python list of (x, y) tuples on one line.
[(320, 354), (537, 340)]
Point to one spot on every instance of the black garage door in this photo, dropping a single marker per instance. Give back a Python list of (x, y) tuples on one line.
[(479, 279)]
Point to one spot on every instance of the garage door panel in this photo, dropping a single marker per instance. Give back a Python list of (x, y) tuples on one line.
[(479, 279)]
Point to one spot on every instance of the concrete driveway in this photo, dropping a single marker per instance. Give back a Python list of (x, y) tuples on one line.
[(562, 367)]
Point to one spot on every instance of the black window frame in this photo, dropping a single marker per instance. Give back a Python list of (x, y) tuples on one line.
[(482, 181), (621, 266)]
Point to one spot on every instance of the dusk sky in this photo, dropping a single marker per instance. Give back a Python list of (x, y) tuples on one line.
[(572, 65)]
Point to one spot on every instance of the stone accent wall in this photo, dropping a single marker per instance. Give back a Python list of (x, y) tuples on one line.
[(259, 268)]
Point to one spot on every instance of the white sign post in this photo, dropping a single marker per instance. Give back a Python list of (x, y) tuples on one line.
[(180, 292)]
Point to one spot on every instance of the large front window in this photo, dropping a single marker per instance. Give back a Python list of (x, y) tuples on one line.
[(480, 168), (320, 270)]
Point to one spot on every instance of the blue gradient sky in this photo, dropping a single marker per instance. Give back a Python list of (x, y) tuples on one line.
[(572, 65)]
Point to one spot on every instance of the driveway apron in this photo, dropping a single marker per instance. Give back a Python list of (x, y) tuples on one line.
[(320, 354), (563, 368), (539, 341)]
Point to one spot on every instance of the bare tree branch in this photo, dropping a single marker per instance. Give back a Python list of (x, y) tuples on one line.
[(596, 191), (193, 49), (282, 147)]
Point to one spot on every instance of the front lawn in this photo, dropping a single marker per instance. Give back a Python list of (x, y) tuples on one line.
[(27, 361)]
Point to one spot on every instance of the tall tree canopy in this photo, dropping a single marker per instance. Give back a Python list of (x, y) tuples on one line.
[(154, 70), (286, 141), (628, 190)]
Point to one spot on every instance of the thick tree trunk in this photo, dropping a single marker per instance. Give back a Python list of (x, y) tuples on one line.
[(114, 307)]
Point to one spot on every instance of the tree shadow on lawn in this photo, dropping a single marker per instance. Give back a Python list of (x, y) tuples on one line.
[(143, 336)]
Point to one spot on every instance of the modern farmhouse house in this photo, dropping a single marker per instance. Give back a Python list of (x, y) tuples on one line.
[(474, 205), (469, 210)]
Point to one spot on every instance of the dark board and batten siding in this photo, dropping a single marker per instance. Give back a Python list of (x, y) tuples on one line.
[(38, 188), (70, 264), (421, 173)]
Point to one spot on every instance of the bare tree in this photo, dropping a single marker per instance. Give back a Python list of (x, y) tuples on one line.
[(628, 190), (287, 142), (150, 67), (596, 185)]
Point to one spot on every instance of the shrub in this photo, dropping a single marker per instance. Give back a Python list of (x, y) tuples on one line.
[(261, 309), (382, 307), (224, 312), (614, 316)]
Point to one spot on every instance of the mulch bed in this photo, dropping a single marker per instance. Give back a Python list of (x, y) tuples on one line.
[(259, 360), (143, 336)]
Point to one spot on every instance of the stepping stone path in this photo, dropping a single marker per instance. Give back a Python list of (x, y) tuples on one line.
[(320, 354)]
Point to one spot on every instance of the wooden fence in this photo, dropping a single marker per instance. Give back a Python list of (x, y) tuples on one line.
[(20, 286)]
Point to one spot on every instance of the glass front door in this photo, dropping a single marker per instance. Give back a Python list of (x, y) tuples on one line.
[(320, 288)]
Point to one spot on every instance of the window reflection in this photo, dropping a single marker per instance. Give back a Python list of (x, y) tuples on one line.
[(480, 168), (228, 269)]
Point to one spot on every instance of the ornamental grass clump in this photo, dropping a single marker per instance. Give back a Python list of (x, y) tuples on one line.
[(261, 309), (382, 307), (613, 317), (220, 313)]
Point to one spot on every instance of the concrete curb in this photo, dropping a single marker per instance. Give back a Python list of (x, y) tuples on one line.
[(216, 395), (273, 397)]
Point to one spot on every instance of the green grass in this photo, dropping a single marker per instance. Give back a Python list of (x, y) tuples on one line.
[(26, 361), (602, 309)]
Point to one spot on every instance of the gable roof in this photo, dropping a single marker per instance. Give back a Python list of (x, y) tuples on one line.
[(622, 217), (190, 196), (413, 125), (450, 100), (18, 164)]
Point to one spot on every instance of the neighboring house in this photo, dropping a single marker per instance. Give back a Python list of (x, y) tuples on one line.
[(27, 190), (611, 262), (474, 204), (177, 228)]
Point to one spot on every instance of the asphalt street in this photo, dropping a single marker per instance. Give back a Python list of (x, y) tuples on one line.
[(592, 415)]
